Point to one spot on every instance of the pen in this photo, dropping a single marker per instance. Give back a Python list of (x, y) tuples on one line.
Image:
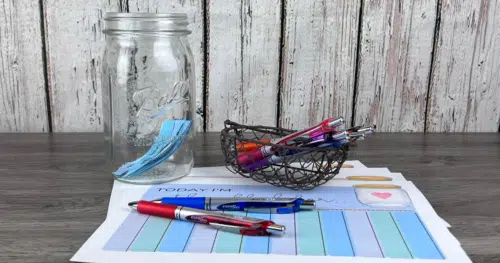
[(239, 224), (250, 146), (325, 126), (255, 205), (273, 159)]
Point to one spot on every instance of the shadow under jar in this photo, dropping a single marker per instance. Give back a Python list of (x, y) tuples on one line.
[(148, 97)]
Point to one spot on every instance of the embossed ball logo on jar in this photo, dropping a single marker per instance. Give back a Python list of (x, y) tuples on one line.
[(155, 106)]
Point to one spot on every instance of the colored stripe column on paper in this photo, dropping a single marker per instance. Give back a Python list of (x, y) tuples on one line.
[(126, 232), (285, 244), (151, 234), (202, 239), (310, 240), (256, 244), (387, 232), (416, 236), (228, 242), (363, 238), (176, 237), (335, 235)]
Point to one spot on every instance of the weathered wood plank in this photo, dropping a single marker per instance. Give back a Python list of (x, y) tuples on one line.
[(464, 93), (74, 49), (395, 59), (318, 61), (22, 84), (243, 62), (194, 10)]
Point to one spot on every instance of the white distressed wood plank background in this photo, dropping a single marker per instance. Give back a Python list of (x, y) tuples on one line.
[(403, 83), (465, 95), (318, 61), (74, 41), (395, 58), (194, 9), (244, 40), (22, 85)]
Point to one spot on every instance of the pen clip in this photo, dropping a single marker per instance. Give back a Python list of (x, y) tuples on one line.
[(276, 206), (287, 209), (257, 229)]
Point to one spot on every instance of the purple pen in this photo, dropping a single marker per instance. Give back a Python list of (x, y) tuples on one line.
[(278, 159)]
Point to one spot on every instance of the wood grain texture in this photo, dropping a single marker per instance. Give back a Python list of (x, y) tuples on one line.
[(23, 106), (243, 62), (194, 10), (60, 194), (319, 58), (395, 58), (464, 92), (74, 48)]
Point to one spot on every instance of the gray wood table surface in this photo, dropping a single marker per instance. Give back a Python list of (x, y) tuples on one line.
[(54, 188)]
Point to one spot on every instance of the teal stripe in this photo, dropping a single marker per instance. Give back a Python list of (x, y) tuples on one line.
[(390, 239), (150, 235), (228, 242), (310, 238)]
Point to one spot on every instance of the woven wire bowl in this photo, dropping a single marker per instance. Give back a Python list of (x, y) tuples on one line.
[(314, 167)]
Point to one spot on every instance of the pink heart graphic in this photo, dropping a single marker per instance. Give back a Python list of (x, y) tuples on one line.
[(382, 195)]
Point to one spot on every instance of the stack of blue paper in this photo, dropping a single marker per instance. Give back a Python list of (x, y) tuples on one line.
[(170, 138)]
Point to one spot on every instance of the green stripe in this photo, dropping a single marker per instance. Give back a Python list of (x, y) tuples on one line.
[(150, 235), (388, 235)]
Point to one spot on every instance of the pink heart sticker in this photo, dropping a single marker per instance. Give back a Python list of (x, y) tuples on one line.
[(382, 195)]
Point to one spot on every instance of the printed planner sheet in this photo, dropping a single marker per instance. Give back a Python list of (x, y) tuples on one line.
[(354, 220), (349, 221)]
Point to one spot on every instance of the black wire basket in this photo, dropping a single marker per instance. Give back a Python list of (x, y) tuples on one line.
[(305, 169)]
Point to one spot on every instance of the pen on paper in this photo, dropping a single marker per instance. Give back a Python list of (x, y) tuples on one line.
[(249, 204), (226, 222)]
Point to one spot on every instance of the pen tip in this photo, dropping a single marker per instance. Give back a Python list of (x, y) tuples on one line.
[(133, 205), (308, 204), (276, 229)]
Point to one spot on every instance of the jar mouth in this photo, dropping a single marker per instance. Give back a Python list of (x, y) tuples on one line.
[(176, 23)]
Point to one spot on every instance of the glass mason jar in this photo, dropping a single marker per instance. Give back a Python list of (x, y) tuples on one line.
[(148, 97)]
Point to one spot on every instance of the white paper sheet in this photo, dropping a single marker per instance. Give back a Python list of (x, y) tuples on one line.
[(92, 250)]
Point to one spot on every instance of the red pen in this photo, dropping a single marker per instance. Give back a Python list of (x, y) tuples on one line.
[(238, 224), (325, 126)]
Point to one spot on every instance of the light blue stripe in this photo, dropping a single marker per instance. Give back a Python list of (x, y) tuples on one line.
[(228, 242), (256, 244), (126, 232), (285, 244), (416, 236), (310, 240), (176, 237), (151, 234), (363, 238), (335, 235), (387, 232), (202, 239)]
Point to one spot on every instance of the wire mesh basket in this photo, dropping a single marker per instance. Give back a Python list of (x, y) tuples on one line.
[(293, 167)]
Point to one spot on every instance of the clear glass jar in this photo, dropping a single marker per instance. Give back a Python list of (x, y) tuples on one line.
[(148, 87)]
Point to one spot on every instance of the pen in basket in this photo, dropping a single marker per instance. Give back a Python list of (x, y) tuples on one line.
[(326, 126), (296, 159)]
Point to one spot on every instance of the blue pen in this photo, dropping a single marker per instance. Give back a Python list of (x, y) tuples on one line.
[(255, 205)]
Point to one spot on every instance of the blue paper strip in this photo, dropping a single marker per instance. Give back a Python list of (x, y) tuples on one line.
[(335, 234), (176, 238), (256, 244), (416, 236)]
